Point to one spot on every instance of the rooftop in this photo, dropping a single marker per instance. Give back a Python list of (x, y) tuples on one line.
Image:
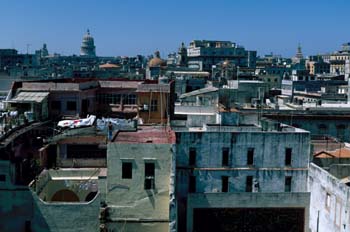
[(146, 134)]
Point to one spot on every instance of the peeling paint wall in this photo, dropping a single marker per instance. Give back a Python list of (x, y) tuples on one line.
[(268, 170), (20, 207), (128, 201), (329, 205)]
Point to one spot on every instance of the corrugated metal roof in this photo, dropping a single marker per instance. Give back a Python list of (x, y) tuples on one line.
[(199, 91), (30, 97)]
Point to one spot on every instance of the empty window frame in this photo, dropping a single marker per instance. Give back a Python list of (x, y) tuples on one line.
[(250, 156), (127, 170), (288, 184), (149, 176), (225, 184), (288, 156), (192, 156), (225, 156), (249, 184)]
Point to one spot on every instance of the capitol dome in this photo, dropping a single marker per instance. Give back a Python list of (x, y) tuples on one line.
[(156, 61), (88, 45)]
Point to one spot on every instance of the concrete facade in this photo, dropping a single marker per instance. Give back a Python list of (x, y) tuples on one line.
[(267, 170), (23, 207), (131, 204), (329, 208)]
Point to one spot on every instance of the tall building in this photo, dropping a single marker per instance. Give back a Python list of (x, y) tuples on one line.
[(203, 54), (88, 47)]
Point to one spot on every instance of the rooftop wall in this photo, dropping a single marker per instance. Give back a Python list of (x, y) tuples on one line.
[(329, 201)]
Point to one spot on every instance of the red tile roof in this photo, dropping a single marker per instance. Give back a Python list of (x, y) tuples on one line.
[(338, 153)]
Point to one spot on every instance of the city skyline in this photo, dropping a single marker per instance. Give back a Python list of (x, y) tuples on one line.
[(141, 27)]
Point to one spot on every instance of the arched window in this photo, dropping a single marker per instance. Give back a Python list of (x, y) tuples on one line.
[(90, 196), (65, 195)]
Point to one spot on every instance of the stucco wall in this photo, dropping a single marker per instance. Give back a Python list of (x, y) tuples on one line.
[(66, 216), (126, 198), (269, 169), (334, 215)]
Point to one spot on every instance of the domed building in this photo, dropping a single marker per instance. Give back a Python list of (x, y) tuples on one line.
[(155, 67), (88, 46), (156, 61)]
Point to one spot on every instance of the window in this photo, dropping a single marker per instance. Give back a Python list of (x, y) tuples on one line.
[(56, 105), (192, 157), (250, 156), (288, 184), (2, 178), (249, 184), (126, 170), (154, 105), (85, 151), (224, 181), (192, 184), (288, 157), (129, 99), (225, 156), (71, 105), (149, 175), (328, 201)]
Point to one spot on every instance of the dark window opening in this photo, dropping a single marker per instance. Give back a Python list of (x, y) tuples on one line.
[(249, 184), (85, 151), (192, 157), (192, 184), (56, 105), (250, 156), (2, 178), (154, 105), (224, 180), (127, 170), (225, 156), (149, 175), (288, 184), (288, 160), (71, 105)]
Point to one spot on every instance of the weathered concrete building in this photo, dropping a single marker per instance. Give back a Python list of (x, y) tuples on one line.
[(262, 170), (148, 100), (140, 180), (203, 54), (329, 208)]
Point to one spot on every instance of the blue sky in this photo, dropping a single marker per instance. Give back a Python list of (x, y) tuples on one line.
[(127, 27)]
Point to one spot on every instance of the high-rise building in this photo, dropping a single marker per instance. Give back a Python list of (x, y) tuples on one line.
[(88, 47), (203, 54)]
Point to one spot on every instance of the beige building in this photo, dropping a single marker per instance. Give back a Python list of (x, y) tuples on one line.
[(140, 188)]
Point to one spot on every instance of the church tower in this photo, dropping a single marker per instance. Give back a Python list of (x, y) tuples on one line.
[(299, 53), (182, 55)]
